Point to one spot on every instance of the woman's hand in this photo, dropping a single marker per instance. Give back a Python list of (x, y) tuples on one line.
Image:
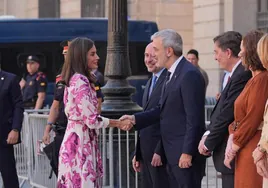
[(257, 154), (124, 125), (230, 153), (262, 167)]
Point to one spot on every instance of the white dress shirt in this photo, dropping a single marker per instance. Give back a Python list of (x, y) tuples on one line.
[(174, 66)]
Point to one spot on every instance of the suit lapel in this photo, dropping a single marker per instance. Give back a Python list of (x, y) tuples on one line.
[(2, 79), (160, 80), (175, 76), (238, 69)]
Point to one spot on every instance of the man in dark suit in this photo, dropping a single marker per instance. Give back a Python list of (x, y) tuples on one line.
[(226, 47), (11, 116), (149, 156), (180, 113)]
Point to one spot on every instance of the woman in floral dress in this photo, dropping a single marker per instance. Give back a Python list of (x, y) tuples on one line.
[(80, 164)]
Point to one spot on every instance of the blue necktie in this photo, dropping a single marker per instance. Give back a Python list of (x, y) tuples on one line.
[(154, 79)]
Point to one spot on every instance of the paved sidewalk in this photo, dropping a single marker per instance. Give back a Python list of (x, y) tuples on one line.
[(210, 180)]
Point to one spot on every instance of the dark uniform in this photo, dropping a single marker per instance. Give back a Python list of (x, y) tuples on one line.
[(34, 84), (98, 90), (52, 150)]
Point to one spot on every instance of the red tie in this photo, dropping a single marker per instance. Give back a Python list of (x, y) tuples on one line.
[(229, 78)]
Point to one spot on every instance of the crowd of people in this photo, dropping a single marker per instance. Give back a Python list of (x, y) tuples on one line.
[(236, 136), (173, 142)]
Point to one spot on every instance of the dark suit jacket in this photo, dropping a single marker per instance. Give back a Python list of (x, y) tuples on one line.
[(223, 115), (180, 113), (11, 106), (149, 139)]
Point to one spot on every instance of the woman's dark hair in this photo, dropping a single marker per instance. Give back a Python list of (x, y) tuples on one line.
[(76, 60), (251, 58)]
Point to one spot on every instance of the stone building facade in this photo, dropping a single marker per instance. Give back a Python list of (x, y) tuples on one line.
[(198, 21)]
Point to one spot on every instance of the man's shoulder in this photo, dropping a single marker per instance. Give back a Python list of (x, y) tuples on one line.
[(191, 69), (58, 78), (8, 74), (202, 70), (241, 75), (40, 76)]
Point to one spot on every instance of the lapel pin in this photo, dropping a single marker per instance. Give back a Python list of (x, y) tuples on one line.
[(2, 78)]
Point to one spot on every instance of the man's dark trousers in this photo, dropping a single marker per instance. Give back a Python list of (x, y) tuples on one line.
[(8, 167)]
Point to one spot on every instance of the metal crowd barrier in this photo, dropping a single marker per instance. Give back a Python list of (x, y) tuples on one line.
[(117, 149)]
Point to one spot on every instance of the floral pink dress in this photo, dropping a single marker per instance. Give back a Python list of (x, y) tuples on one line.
[(80, 163)]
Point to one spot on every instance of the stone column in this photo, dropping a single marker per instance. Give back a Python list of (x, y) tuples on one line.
[(206, 27)]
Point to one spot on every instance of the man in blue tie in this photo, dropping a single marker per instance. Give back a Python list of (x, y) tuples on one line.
[(149, 156)]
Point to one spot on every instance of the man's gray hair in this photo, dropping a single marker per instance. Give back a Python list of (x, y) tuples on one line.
[(170, 38)]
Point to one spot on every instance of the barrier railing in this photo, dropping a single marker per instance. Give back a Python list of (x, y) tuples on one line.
[(117, 150)]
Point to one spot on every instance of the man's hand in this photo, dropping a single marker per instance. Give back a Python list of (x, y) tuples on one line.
[(156, 161), (136, 164), (218, 95), (125, 124), (13, 137), (185, 161), (22, 83), (202, 148), (128, 117), (262, 167), (46, 137)]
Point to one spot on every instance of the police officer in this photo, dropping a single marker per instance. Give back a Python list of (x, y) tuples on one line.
[(34, 85), (57, 119)]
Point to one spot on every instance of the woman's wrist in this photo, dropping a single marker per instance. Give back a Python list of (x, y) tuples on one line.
[(235, 148), (114, 123), (48, 128)]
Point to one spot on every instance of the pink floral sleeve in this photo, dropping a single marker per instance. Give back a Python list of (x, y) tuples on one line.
[(86, 104)]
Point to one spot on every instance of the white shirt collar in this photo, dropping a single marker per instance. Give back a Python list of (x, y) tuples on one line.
[(159, 73), (174, 66), (236, 65), (225, 79)]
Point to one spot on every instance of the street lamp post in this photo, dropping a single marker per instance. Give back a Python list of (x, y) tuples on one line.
[(117, 91)]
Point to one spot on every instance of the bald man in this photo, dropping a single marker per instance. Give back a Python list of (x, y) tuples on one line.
[(149, 156)]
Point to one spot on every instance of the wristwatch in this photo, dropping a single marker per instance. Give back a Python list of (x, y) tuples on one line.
[(50, 123)]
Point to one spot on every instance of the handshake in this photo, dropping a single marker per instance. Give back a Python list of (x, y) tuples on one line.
[(125, 123)]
